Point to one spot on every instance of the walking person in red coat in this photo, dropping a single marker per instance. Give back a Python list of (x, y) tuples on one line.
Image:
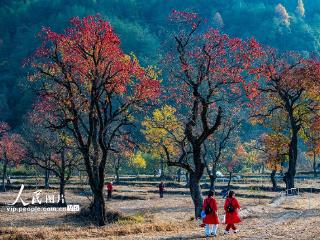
[(231, 207), (109, 188), (211, 220)]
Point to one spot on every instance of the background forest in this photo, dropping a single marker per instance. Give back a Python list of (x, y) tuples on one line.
[(142, 27)]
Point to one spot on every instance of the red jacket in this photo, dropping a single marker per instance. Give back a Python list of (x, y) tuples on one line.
[(233, 217), (109, 187), (213, 217)]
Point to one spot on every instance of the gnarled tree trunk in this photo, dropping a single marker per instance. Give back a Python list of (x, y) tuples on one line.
[(293, 154), (194, 182), (98, 208), (196, 195)]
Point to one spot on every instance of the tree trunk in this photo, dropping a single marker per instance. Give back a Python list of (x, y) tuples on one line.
[(229, 182), (293, 154), (62, 200), (213, 177), (273, 180), (162, 169), (46, 178), (98, 210), (195, 177), (179, 175), (4, 174), (195, 190), (117, 175), (314, 165), (187, 179)]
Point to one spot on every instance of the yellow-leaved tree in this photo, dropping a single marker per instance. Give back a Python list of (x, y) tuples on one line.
[(164, 134), (274, 151), (137, 161)]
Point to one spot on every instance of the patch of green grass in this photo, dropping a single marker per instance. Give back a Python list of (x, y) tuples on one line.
[(138, 218)]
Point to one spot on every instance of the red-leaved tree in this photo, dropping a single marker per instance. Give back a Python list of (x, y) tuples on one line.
[(211, 75), (289, 88), (92, 89), (12, 150)]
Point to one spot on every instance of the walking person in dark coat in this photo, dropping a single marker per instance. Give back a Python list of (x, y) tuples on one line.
[(161, 189)]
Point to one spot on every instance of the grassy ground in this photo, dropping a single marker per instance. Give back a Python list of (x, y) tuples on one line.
[(143, 215)]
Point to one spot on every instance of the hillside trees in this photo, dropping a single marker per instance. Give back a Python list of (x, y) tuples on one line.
[(91, 89), (311, 137), (289, 88), (52, 151)]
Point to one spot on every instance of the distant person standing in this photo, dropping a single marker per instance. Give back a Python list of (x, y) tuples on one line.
[(211, 219), (161, 189), (231, 207), (109, 189), (8, 180)]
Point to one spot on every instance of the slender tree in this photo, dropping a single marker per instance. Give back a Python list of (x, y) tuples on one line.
[(216, 147)]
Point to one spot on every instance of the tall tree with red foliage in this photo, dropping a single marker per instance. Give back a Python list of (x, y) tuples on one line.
[(289, 87), (12, 150), (91, 89), (210, 74)]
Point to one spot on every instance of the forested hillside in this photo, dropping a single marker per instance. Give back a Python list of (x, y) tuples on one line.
[(142, 27)]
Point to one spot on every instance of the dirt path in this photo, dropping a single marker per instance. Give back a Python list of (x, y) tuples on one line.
[(269, 221)]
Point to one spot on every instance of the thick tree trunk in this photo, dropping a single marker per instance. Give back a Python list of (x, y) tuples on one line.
[(273, 180), (195, 177), (195, 190), (4, 174), (98, 209), (293, 154)]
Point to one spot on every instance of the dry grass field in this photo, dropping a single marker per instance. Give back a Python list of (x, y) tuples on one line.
[(143, 215)]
